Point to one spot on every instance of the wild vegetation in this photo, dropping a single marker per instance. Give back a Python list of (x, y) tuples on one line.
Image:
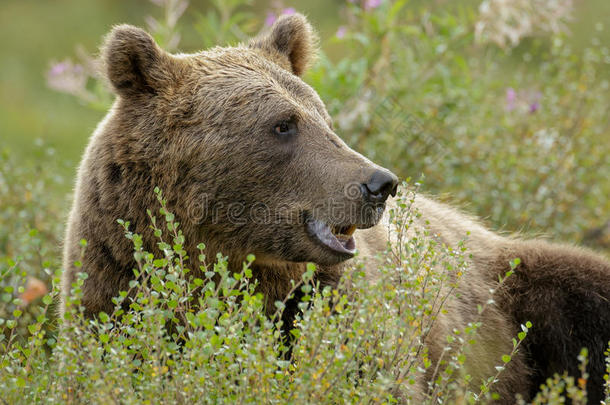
[(498, 114)]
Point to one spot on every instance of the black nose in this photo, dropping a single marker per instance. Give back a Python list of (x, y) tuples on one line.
[(380, 186)]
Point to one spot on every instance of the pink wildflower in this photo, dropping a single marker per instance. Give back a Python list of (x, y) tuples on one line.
[(341, 32)]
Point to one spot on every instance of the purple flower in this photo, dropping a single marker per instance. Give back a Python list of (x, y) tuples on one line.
[(341, 32), (58, 69), (511, 97), (71, 78), (372, 4), (270, 19), (535, 103)]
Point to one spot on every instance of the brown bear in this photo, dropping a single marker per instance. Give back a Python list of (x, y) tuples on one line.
[(233, 135)]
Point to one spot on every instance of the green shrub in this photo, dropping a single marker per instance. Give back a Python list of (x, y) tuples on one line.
[(173, 337)]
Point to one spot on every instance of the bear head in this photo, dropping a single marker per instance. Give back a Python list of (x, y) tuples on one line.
[(243, 148)]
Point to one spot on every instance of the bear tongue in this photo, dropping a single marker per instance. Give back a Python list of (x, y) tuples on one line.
[(339, 243), (348, 243)]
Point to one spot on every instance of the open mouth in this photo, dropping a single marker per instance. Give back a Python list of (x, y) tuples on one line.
[(338, 238)]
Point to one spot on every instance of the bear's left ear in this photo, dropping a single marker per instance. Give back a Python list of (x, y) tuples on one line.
[(291, 42)]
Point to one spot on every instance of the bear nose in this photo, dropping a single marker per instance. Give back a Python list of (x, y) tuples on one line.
[(380, 186)]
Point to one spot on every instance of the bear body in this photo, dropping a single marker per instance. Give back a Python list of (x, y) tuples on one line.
[(233, 134)]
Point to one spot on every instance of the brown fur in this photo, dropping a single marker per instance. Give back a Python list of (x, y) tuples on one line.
[(564, 291), (200, 127)]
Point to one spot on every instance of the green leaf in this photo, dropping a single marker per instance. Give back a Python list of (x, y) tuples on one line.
[(47, 300)]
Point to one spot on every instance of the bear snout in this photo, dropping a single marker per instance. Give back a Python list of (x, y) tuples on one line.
[(379, 186)]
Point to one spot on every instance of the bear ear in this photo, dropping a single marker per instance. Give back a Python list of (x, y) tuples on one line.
[(291, 41), (133, 62)]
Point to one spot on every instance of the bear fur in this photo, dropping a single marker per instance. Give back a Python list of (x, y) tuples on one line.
[(204, 128)]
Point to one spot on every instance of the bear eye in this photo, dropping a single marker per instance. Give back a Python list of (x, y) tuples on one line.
[(285, 128)]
